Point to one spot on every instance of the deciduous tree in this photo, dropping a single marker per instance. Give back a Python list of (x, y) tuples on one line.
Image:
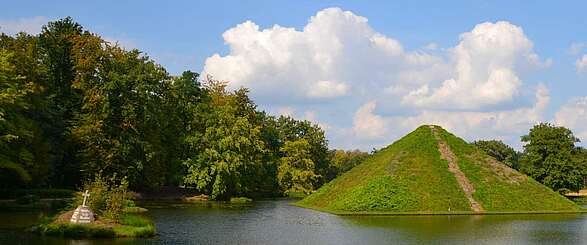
[(296, 169), (549, 157)]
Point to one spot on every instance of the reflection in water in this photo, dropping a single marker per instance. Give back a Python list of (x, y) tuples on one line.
[(483, 229), (276, 222)]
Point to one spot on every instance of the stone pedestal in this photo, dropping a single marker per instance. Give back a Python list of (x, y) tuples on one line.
[(82, 215)]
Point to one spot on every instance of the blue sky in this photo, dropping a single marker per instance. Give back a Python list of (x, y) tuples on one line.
[(352, 107)]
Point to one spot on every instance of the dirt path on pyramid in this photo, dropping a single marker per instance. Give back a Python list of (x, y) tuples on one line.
[(447, 154)]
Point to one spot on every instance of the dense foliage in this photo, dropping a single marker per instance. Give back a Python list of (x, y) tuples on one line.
[(108, 196), (73, 105), (16, 159), (551, 157), (343, 161), (296, 169), (231, 147)]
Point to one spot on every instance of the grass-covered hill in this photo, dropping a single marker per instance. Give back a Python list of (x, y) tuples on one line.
[(432, 171)]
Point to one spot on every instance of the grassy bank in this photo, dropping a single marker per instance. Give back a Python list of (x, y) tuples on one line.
[(425, 213), (127, 225)]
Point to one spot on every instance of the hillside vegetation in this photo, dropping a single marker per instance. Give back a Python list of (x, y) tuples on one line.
[(412, 176)]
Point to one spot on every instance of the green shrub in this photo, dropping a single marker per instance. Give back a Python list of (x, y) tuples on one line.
[(112, 204), (108, 197), (133, 220), (98, 190), (128, 203), (134, 226)]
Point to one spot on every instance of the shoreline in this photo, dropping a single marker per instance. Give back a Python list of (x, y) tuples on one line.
[(472, 213)]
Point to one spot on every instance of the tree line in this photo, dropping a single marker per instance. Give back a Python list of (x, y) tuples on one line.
[(550, 156), (73, 105)]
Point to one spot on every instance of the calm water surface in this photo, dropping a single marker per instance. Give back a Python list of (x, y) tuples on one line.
[(276, 222)]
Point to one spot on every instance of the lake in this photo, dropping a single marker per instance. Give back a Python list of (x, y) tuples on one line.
[(276, 222)]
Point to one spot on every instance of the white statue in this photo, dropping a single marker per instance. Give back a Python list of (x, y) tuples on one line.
[(83, 214)]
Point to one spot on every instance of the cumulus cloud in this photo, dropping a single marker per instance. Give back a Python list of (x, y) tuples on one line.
[(369, 125), (469, 123), (30, 25), (328, 89), (505, 124), (581, 64), (431, 46), (333, 55), (577, 47), (338, 52), (573, 115), (372, 89), (485, 64)]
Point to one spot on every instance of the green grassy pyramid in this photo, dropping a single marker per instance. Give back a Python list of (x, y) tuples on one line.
[(432, 171)]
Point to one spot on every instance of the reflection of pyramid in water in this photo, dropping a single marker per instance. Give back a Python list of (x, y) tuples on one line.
[(433, 171)]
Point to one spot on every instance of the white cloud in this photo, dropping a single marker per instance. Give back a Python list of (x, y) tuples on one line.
[(581, 64), (336, 53), (397, 90), (505, 124), (485, 64), (577, 47), (475, 88), (493, 122), (573, 115), (366, 124), (483, 69), (431, 46), (30, 25), (328, 89)]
